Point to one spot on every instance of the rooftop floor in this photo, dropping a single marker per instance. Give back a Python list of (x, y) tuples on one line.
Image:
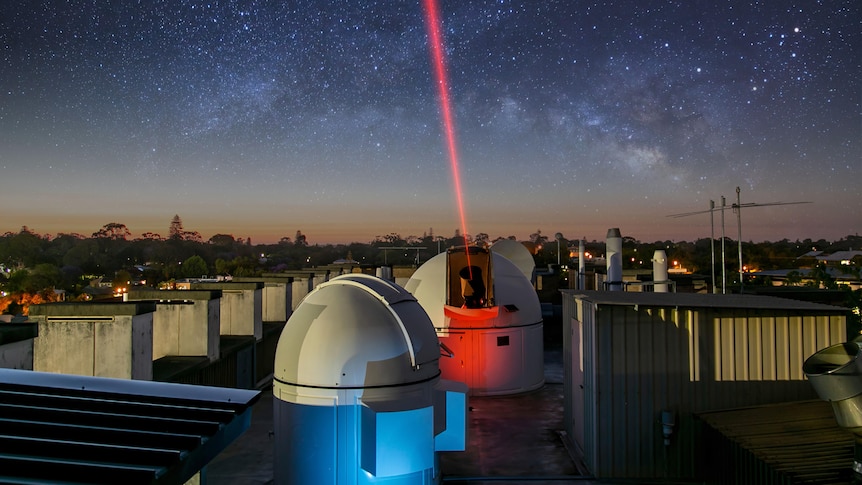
[(512, 439)]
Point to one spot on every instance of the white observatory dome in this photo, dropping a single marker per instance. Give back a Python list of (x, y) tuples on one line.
[(511, 287), (357, 331), (518, 254), (495, 348)]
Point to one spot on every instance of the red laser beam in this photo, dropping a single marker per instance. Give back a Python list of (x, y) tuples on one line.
[(432, 20)]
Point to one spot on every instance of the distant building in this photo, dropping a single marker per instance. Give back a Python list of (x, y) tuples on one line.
[(843, 258), (839, 267)]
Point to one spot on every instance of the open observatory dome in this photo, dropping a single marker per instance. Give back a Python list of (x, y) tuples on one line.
[(496, 344)]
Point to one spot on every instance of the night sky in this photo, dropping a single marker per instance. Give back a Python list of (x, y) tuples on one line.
[(258, 119)]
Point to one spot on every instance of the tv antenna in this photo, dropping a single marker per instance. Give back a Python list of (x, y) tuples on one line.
[(737, 208)]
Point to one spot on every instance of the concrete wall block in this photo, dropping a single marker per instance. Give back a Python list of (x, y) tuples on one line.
[(241, 312), (301, 287), (142, 347), (213, 327), (65, 347), (166, 323), (276, 302), (113, 344), (192, 330), (17, 355)]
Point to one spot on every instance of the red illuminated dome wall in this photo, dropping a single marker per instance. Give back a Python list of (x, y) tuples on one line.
[(494, 337)]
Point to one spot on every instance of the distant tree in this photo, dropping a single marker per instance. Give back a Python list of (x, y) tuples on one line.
[(793, 278), (239, 266), (81, 254), (482, 239), (222, 240), (300, 239), (23, 249), (820, 277), (223, 267), (122, 279), (537, 238), (60, 246), (456, 240), (21, 302), (285, 240), (856, 266), (193, 236), (113, 230), (151, 236), (16, 282), (45, 276), (391, 239), (245, 266), (194, 267), (175, 231), (853, 301)]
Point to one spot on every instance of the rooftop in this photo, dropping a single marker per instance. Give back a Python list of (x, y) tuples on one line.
[(529, 424)]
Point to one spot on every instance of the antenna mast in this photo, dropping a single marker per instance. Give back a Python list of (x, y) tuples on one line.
[(737, 207)]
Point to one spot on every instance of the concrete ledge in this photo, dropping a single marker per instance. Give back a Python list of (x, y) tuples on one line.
[(226, 285), (93, 309), (174, 295)]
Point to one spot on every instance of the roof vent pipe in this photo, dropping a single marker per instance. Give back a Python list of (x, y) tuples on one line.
[(614, 260), (659, 271), (582, 265)]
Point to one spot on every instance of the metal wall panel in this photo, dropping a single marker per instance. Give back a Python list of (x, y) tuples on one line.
[(635, 361)]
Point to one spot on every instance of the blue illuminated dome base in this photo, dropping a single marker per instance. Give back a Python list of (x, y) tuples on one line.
[(357, 392), (363, 443)]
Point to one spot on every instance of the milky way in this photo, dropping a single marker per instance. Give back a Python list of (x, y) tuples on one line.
[(260, 118)]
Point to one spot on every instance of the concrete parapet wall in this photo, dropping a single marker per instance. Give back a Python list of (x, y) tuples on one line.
[(186, 329), (301, 287), (277, 296), (92, 339), (186, 322), (277, 301), (241, 307)]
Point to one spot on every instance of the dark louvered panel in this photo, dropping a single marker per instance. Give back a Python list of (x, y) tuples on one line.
[(72, 429), (96, 418), (129, 437)]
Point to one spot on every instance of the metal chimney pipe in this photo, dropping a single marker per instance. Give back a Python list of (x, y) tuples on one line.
[(614, 259), (582, 265), (659, 270)]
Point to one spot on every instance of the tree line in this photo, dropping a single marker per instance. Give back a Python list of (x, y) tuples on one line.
[(34, 265)]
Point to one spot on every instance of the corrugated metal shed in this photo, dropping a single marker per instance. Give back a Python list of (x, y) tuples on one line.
[(57, 428), (790, 443), (631, 356)]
